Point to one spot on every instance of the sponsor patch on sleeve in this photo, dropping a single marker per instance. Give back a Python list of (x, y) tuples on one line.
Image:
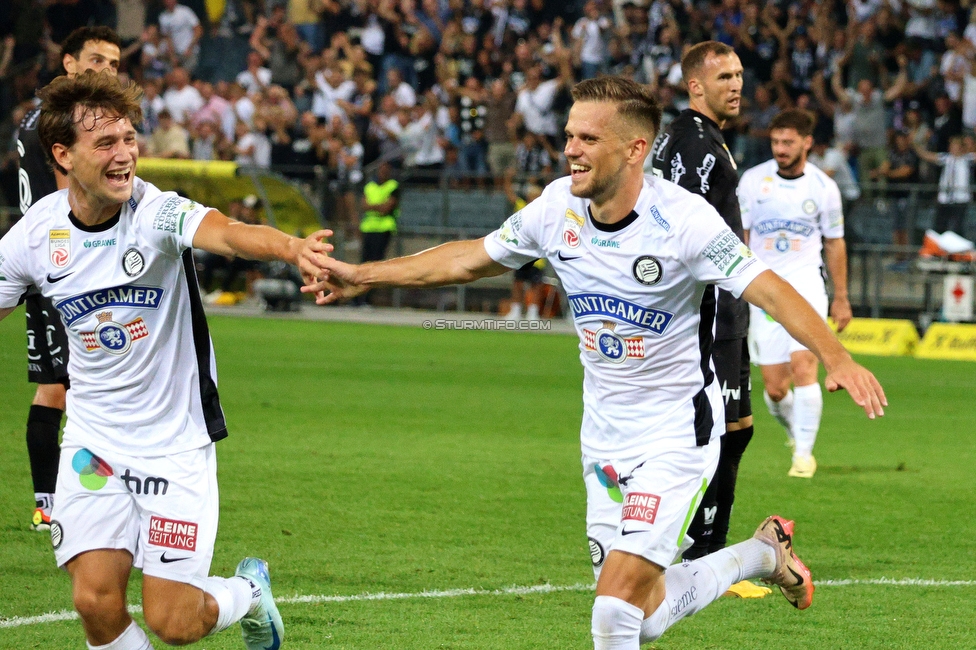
[(172, 213), (728, 253), (508, 233)]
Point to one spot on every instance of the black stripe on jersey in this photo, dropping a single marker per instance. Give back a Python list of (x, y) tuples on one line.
[(703, 408), (212, 412)]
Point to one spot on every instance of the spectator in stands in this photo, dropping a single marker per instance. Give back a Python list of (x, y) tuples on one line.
[(535, 106), (255, 78), (870, 118), (499, 107), (348, 164), (169, 139), (402, 92), (244, 107), (152, 106), (900, 167), (421, 140), (301, 14), (331, 85), (955, 185), (359, 106), (590, 36), (157, 56), (180, 97), (533, 157), (207, 143), (252, 147), (527, 281), (955, 65), (946, 124), (280, 46), (182, 26), (756, 119), (215, 109)]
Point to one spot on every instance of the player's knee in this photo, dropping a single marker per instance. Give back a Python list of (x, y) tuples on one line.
[(50, 395), (98, 606), (777, 392)]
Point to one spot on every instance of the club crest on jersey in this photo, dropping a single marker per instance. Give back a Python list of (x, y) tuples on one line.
[(59, 243), (133, 262), (612, 347), (573, 226), (586, 306), (648, 270), (113, 337), (809, 206)]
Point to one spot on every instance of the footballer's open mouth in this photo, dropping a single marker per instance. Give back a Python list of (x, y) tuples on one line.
[(119, 177), (578, 171)]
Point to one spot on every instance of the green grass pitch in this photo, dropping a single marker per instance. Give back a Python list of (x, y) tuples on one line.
[(366, 459)]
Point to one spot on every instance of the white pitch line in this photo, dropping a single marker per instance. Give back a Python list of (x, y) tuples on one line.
[(64, 615)]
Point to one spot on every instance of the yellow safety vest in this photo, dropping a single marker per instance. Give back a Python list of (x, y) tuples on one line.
[(374, 221)]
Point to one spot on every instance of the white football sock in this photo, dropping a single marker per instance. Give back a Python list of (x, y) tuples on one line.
[(691, 586), (616, 624), (235, 597), (514, 312), (807, 409), (781, 410), (532, 313), (134, 638)]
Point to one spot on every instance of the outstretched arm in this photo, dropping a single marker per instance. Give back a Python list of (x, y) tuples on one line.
[(777, 298), (224, 236), (456, 262), (835, 252)]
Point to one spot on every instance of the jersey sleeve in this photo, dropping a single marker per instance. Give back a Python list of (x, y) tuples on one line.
[(173, 222), (832, 214), (519, 240), (715, 255), (15, 277)]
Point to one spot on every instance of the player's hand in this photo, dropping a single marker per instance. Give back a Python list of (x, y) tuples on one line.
[(860, 383), (315, 250), (840, 311), (335, 281)]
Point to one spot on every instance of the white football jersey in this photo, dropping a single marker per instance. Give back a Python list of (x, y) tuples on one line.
[(787, 218), (645, 321), (143, 379)]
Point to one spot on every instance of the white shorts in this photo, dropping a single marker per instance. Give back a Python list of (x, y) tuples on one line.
[(163, 510), (644, 505), (769, 342)]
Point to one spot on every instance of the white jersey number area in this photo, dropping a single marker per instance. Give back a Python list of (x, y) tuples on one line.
[(636, 291), (142, 375), (787, 218)]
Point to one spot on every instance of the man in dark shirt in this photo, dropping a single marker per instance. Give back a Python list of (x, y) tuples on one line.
[(693, 154), (900, 167), (86, 48)]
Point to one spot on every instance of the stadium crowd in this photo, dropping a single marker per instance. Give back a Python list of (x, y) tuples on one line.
[(477, 87)]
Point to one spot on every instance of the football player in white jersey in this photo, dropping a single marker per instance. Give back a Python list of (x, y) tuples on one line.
[(791, 211), (137, 481), (636, 268)]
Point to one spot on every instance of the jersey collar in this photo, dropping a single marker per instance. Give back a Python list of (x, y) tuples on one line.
[(102, 227)]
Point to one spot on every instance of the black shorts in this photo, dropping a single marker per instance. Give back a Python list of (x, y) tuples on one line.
[(47, 342), (529, 273), (732, 372)]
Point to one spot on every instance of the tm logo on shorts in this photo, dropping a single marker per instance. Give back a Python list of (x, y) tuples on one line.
[(641, 506), (93, 472)]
